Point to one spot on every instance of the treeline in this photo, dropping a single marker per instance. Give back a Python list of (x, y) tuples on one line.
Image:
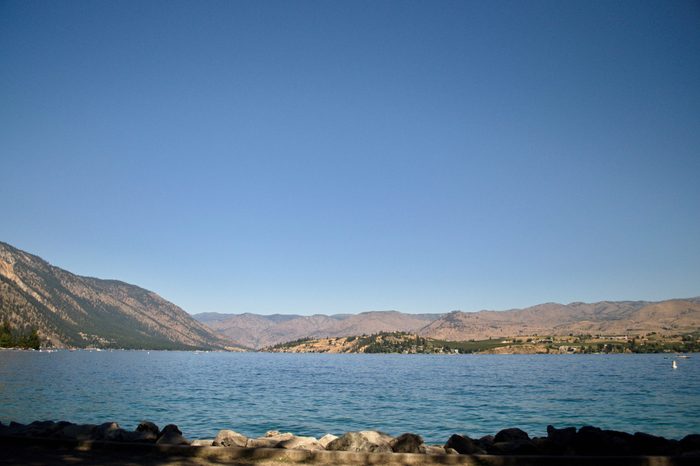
[(14, 338)]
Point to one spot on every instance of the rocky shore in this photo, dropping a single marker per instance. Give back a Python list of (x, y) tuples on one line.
[(569, 441)]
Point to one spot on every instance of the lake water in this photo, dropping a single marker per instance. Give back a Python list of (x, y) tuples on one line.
[(313, 394)]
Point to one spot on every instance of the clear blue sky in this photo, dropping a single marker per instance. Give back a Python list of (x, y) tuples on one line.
[(327, 157)]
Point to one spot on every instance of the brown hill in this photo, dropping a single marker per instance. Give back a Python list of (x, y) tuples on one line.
[(73, 311), (257, 331), (605, 318)]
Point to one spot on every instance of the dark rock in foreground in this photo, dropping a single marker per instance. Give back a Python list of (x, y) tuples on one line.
[(463, 445), (586, 441)]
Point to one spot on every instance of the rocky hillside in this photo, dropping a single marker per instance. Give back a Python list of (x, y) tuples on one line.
[(258, 331), (603, 318), (670, 317), (73, 311)]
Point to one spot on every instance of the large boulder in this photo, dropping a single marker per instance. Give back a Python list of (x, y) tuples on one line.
[(590, 441), (326, 439), (148, 426), (515, 447), (34, 429), (647, 444), (79, 432), (139, 437), (271, 439), (407, 443), (301, 443), (365, 441), (511, 435), (230, 438), (171, 435), (434, 449), (205, 442), (690, 443), (462, 444), (109, 431), (560, 441)]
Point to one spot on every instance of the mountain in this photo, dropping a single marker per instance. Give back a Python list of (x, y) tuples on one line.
[(73, 311), (258, 331), (603, 318)]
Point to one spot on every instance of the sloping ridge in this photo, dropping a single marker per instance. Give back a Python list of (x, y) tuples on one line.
[(74, 311), (258, 331), (605, 318)]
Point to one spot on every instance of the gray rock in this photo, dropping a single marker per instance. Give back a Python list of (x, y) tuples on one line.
[(301, 443), (407, 443), (365, 441), (263, 442), (202, 442), (271, 440), (376, 436), (434, 450), (279, 435), (230, 438), (326, 439)]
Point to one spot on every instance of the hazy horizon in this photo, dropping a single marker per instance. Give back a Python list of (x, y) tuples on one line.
[(336, 157)]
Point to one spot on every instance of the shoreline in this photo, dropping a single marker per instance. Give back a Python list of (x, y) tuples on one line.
[(583, 443)]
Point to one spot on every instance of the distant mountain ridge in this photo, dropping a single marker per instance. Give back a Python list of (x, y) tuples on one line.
[(258, 331), (73, 311), (604, 318)]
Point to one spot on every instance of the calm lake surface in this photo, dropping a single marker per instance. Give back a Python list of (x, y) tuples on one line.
[(313, 394)]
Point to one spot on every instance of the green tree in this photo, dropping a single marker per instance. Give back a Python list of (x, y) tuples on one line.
[(32, 340), (6, 339)]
